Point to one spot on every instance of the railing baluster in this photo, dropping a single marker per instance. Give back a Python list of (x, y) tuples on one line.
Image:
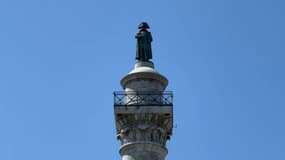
[(143, 98)]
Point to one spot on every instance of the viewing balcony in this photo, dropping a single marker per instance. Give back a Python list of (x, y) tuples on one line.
[(131, 106), (122, 98)]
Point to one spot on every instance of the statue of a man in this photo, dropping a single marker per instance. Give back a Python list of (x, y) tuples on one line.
[(144, 40)]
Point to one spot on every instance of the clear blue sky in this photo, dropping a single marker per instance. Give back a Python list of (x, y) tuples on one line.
[(60, 61)]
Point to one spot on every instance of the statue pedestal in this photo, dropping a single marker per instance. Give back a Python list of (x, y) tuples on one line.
[(144, 64)]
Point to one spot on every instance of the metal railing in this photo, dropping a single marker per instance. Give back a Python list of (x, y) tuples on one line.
[(122, 98)]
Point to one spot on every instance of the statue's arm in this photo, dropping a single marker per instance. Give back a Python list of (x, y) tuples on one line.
[(148, 37), (139, 34)]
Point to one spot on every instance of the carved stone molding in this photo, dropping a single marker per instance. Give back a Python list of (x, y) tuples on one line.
[(143, 151), (143, 128)]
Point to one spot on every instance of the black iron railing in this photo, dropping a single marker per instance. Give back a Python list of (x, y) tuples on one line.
[(122, 98)]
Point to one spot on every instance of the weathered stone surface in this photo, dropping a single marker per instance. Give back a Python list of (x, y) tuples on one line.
[(144, 79), (143, 151), (144, 129)]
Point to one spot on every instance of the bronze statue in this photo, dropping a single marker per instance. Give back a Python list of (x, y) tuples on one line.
[(144, 40)]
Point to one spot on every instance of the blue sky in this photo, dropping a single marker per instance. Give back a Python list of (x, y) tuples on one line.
[(61, 60)]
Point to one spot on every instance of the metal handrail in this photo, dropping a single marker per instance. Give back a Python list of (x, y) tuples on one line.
[(122, 98)]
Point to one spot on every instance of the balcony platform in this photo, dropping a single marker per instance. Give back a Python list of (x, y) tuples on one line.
[(119, 109)]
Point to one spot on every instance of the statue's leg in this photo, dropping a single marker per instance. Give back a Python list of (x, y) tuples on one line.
[(143, 58)]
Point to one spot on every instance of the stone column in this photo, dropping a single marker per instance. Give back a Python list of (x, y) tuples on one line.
[(145, 122)]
